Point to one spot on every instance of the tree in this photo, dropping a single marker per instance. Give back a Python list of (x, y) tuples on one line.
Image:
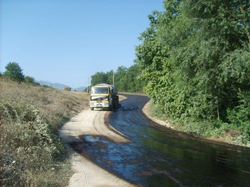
[(135, 83), (121, 80), (126, 79), (109, 76), (195, 58), (14, 72), (99, 77)]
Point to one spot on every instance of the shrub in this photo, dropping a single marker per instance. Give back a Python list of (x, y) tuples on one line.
[(240, 115), (29, 79), (67, 88), (28, 145)]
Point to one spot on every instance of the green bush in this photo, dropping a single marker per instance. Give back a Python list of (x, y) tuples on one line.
[(240, 115), (29, 79), (28, 146)]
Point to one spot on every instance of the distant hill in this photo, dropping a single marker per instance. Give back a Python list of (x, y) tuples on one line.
[(54, 85), (60, 86)]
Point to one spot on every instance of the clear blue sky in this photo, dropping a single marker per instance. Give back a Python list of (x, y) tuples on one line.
[(67, 41)]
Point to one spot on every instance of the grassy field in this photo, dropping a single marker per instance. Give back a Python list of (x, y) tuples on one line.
[(30, 117)]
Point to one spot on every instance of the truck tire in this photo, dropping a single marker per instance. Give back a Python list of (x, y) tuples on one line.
[(111, 107), (117, 102), (92, 108)]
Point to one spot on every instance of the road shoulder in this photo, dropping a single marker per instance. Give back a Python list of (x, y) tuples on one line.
[(145, 110), (86, 172)]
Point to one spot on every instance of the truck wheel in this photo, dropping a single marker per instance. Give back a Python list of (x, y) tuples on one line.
[(111, 107), (116, 102), (115, 105), (92, 108)]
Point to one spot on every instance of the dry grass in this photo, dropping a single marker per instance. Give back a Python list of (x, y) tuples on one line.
[(56, 107)]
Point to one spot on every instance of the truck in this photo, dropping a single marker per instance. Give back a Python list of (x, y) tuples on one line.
[(104, 96)]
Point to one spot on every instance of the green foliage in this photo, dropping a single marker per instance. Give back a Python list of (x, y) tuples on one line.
[(99, 77), (195, 58), (28, 145), (126, 79), (46, 86), (29, 79), (121, 78), (13, 72), (240, 115)]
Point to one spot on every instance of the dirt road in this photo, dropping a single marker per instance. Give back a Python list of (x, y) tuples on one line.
[(87, 173)]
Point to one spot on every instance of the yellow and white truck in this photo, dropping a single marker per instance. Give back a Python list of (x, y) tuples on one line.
[(104, 96)]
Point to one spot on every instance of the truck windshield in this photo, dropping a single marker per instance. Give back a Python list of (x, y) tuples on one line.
[(100, 90)]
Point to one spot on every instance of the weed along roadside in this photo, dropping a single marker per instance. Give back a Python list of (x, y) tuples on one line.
[(212, 135), (31, 151)]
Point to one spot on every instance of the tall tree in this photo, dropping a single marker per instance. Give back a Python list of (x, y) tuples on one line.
[(196, 58), (14, 72), (125, 79), (99, 77), (121, 80), (110, 75)]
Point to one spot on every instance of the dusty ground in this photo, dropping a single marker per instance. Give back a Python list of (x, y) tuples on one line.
[(87, 173)]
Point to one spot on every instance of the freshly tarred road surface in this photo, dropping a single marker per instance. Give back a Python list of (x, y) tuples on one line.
[(157, 156)]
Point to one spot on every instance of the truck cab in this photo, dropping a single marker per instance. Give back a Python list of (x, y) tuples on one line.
[(103, 96)]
